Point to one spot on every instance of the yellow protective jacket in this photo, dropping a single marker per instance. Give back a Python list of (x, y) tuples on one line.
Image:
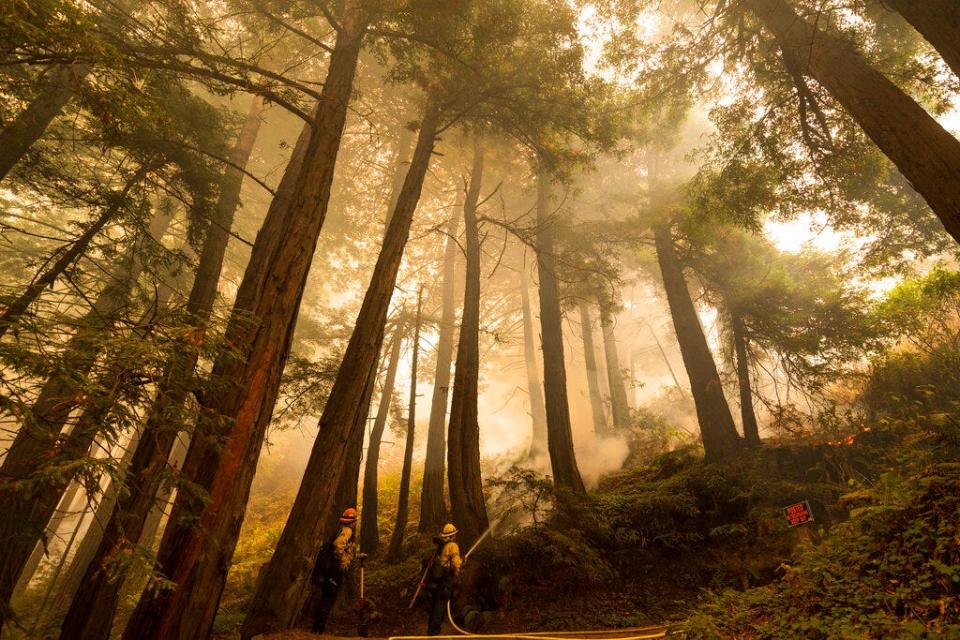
[(450, 559), (345, 547)]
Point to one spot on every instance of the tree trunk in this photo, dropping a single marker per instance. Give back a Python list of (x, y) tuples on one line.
[(102, 515), (618, 393), (370, 531), (926, 153), (468, 511), (404, 148), (563, 460), (433, 509), (939, 22), (30, 124), (275, 603), (68, 256), (751, 432), (163, 502), (394, 553), (63, 511), (720, 439), (38, 443), (40, 619), (200, 538), (590, 359), (91, 611), (538, 413)]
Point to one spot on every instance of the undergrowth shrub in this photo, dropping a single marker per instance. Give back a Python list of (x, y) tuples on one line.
[(891, 571)]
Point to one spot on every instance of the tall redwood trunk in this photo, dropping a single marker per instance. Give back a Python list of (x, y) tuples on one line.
[(92, 608), (433, 509), (102, 514), (751, 432), (620, 408), (200, 539), (162, 503), (590, 359), (69, 255), (92, 422), (720, 439), (62, 512), (938, 21), (395, 550), (538, 411), (370, 531), (405, 141), (30, 124), (468, 511), (926, 153), (276, 602), (38, 443), (563, 460)]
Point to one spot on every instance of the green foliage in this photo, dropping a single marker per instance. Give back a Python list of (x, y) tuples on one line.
[(802, 311), (892, 571), (921, 319), (679, 502)]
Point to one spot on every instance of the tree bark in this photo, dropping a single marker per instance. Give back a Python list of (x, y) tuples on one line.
[(751, 432), (69, 255), (433, 509), (63, 511), (563, 461), (102, 515), (468, 511), (38, 443), (590, 358), (91, 424), (924, 152), (148, 537), (92, 608), (275, 603), (370, 531), (619, 407), (200, 538), (938, 21), (720, 439), (32, 122), (394, 552), (538, 412), (404, 143)]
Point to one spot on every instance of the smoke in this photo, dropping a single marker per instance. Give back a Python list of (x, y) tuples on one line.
[(600, 455)]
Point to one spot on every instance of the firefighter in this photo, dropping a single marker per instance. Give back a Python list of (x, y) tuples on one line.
[(345, 545), (334, 570), (444, 575)]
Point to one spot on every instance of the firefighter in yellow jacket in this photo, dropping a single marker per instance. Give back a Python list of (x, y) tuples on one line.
[(444, 573), (333, 570), (345, 544)]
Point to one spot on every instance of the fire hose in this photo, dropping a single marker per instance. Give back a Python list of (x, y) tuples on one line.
[(655, 632), (638, 633)]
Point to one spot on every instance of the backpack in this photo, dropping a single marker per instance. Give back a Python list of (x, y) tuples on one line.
[(438, 573)]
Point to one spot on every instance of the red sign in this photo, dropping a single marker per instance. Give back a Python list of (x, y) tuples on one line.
[(799, 513)]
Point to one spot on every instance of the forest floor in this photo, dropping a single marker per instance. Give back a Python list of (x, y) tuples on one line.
[(646, 548), (706, 547)]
